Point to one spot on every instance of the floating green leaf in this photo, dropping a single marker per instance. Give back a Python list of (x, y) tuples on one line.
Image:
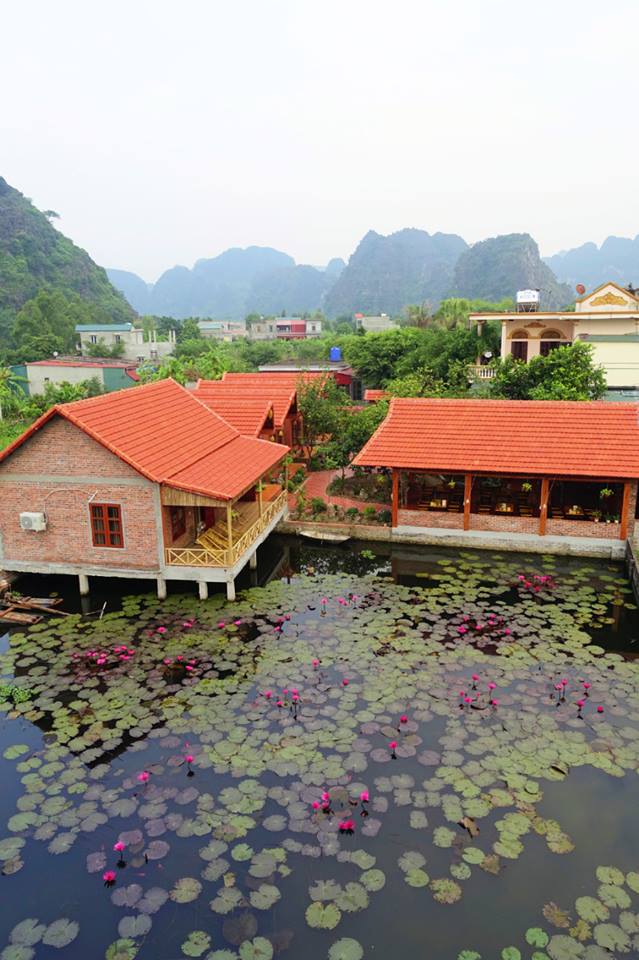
[(324, 916), (346, 949)]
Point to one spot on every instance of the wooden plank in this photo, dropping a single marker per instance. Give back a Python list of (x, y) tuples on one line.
[(172, 497), (468, 488), (623, 532)]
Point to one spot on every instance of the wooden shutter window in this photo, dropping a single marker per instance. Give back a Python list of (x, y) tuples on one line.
[(106, 525)]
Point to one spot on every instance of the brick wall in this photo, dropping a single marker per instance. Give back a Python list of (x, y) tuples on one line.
[(430, 518), (61, 450), (504, 523), (583, 528)]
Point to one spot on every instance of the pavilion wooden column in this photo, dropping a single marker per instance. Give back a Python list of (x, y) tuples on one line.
[(543, 505), (229, 524), (623, 532), (395, 501), (259, 497), (468, 487)]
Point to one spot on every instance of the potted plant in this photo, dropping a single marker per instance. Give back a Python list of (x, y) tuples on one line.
[(596, 515), (526, 486), (451, 484), (605, 492)]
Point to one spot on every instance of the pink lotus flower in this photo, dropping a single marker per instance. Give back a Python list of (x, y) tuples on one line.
[(187, 623), (294, 691), (403, 718), (586, 688), (581, 703), (564, 683), (475, 677), (295, 698), (393, 744), (558, 686), (494, 702), (109, 878), (316, 804), (462, 629), (167, 660), (188, 667), (144, 776), (364, 796), (237, 622), (268, 694), (280, 703), (347, 826), (189, 758), (491, 685), (161, 630), (324, 600), (326, 795), (600, 709), (507, 632), (221, 624), (345, 682), (468, 700), (119, 846), (315, 662), (285, 691)]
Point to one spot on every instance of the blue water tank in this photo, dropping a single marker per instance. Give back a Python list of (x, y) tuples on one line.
[(336, 353)]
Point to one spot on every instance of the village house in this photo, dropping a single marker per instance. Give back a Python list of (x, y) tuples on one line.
[(607, 318), (110, 374), (130, 338), (284, 328), (146, 483), (478, 469)]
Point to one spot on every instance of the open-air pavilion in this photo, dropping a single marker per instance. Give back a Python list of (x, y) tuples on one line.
[(521, 467)]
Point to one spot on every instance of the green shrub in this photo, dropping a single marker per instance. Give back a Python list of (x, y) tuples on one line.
[(318, 505), (352, 513), (384, 516), (369, 513)]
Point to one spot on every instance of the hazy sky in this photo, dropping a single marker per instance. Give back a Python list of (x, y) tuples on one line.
[(163, 132)]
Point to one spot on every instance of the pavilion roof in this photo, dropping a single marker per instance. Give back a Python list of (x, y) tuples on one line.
[(536, 438)]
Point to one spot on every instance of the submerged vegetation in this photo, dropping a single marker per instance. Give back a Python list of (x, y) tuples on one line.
[(280, 774)]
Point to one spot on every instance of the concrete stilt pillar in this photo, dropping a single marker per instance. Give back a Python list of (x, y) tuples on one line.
[(161, 588), (230, 590), (83, 581), (253, 560), (203, 589)]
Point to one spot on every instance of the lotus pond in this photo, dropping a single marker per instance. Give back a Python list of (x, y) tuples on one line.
[(375, 757)]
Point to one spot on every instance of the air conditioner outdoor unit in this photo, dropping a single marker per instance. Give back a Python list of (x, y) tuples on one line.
[(33, 521)]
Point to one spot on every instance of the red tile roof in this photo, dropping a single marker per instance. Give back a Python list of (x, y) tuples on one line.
[(167, 435), (508, 436), (371, 396), (247, 414), (281, 396)]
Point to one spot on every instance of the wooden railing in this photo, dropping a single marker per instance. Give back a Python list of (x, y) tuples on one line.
[(206, 557)]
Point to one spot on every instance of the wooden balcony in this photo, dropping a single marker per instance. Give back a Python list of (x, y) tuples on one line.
[(247, 527)]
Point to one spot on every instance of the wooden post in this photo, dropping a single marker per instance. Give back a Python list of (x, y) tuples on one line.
[(468, 487), (229, 524), (543, 506), (259, 497), (395, 503), (623, 533)]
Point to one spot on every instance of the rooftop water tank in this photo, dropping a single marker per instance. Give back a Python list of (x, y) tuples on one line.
[(336, 354)]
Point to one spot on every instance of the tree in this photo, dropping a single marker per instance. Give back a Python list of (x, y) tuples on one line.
[(354, 429), (100, 349), (12, 397), (190, 330), (321, 403), (567, 373)]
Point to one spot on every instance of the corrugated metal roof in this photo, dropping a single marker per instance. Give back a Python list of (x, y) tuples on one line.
[(103, 327), (167, 435), (508, 436)]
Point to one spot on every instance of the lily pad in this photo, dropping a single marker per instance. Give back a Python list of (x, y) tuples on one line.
[(61, 933), (324, 916), (258, 949), (185, 890), (346, 949)]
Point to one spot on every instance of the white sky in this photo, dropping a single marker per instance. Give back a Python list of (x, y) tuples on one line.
[(163, 132)]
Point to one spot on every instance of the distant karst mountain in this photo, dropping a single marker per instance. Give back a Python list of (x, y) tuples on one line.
[(231, 285), (496, 268), (34, 256), (386, 273), (616, 259)]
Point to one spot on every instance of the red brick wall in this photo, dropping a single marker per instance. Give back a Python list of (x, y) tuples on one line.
[(583, 528), (62, 450), (504, 523), (430, 518)]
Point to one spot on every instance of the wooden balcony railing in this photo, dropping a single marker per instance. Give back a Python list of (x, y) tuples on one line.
[(207, 557)]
